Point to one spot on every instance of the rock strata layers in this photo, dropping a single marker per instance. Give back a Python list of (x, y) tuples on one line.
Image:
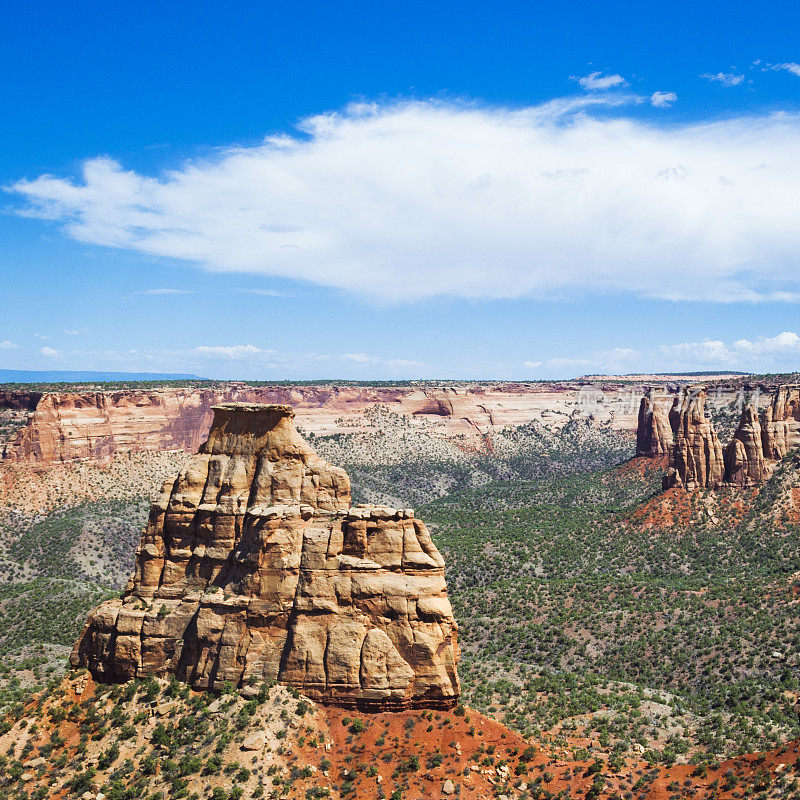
[(96, 426), (696, 459), (653, 431), (254, 566)]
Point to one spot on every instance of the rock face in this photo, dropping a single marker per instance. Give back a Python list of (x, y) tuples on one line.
[(90, 426), (696, 459), (254, 566), (653, 431), (745, 464), (781, 428)]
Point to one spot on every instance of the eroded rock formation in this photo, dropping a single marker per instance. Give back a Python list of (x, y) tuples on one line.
[(653, 431), (758, 442), (781, 428), (696, 458), (745, 464), (254, 566)]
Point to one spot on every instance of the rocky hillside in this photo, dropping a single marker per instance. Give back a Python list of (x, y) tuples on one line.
[(157, 739)]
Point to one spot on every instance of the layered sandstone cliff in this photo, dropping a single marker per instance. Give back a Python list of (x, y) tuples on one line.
[(254, 566), (653, 431), (95, 426), (696, 459)]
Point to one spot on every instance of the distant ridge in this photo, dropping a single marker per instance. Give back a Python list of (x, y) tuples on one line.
[(77, 376)]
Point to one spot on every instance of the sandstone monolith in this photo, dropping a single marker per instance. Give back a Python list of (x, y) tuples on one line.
[(745, 464), (254, 566)]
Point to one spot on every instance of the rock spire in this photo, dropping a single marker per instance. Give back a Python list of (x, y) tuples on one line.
[(781, 428), (744, 456), (696, 459), (653, 431)]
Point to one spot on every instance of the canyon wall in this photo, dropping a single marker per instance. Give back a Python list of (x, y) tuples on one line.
[(74, 426), (254, 567)]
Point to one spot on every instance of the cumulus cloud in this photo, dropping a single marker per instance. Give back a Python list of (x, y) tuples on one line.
[(760, 354), (49, 352), (725, 78), (779, 353), (597, 82), (663, 99), (8, 345), (418, 199)]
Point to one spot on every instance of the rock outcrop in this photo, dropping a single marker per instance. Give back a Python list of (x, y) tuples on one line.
[(781, 428), (653, 431), (745, 464), (253, 566), (696, 459)]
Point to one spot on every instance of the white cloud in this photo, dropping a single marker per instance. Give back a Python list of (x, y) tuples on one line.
[(421, 199), (40, 336), (74, 331), (49, 352), (789, 66), (788, 341), (780, 353), (763, 354), (234, 351), (8, 345), (597, 82), (725, 78), (364, 360), (663, 99)]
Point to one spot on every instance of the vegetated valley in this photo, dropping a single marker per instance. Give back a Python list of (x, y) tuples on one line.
[(591, 617)]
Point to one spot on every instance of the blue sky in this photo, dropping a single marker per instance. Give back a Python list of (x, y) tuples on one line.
[(385, 190)]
